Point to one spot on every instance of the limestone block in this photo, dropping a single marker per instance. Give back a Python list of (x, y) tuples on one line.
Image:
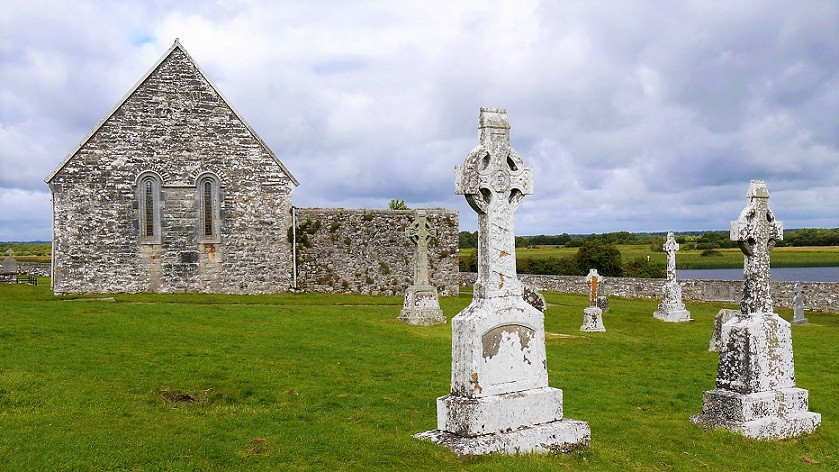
[(592, 320), (722, 317), (756, 354), (421, 306), (671, 308), (467, 416)]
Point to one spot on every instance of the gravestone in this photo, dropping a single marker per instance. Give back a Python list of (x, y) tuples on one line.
[(10, 263), (592, 314), (755, 392), (421, 306), (722, 317), (534, 298), (671, 307), (798, 306), (500, 400)]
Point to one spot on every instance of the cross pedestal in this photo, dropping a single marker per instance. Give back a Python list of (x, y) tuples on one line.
[(421, 306), (671, 307), (500, 400), (756, 393)]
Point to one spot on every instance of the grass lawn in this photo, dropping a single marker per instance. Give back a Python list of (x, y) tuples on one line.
[(821, 256), (331, 382)]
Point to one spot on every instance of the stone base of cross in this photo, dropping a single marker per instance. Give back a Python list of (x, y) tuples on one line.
[(593, 320), (671, 308), (421, 306)]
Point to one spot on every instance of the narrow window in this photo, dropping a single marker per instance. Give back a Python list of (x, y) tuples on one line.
[(149, 208), (208, 209)]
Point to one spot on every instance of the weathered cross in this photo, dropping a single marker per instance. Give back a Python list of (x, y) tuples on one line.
[(670, 247), (592, 280), (420, 233), (494, 180), (756, 231), (10, 253)]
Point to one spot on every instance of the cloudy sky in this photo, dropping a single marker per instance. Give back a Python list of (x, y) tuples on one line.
[(638, 116)]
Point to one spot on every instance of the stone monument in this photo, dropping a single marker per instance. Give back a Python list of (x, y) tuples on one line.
[(755, 392), (592, 314), (671, 307), (798, 306), (10, 268), (421, 307), (722, 318), (500, 400)]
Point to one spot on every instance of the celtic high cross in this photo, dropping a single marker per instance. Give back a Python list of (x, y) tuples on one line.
[(670, 247), (756, 231), (494, 181), (420, 232)]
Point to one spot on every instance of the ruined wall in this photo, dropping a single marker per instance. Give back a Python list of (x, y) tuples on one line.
[(177, 126), (41, 269), (821, 296), (366, 251)]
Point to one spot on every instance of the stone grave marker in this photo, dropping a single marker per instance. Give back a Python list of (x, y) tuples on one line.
[(534, 298), (500, 400), (592, 314), (722, 317), (10, 263), (798, 306), (755, 392), (421, 306), (671, 307)]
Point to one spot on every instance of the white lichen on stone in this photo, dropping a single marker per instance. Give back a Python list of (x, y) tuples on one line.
[(671, 307), (500, 400), (756, 393), (722, 317), (592, 314), (421, 306)]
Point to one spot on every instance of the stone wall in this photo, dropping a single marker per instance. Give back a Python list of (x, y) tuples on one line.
[(176, 126), (367, 251), (821, 296), (40, 269)]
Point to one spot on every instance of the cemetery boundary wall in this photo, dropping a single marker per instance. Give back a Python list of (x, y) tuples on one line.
[(367, 251), (821, 296)]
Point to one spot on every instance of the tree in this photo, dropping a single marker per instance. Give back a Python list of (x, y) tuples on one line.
[(398, 205), (595, 254)]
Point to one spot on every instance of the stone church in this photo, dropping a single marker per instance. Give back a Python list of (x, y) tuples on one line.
[(171, 192), (174, 192)]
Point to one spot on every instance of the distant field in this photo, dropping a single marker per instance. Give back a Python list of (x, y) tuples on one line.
[(822, 256)]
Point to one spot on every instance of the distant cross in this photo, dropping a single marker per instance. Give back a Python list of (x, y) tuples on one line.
[(420, 233), (756, 232), (592, 279), (670, 247), (494, 180), (10, 253)]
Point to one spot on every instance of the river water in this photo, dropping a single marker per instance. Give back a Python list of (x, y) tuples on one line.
[(781, 274)]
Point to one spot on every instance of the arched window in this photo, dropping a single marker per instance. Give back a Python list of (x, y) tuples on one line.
[(148, 208), (209, 209)]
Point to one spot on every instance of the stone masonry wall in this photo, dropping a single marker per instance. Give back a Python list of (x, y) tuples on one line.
[(366, 251), (821, 296), (177, 126)]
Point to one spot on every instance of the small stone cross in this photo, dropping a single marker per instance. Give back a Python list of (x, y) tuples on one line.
[(592, 279), (670, 247), (494, 181), (420, 233), (10, 253), (756, 231)]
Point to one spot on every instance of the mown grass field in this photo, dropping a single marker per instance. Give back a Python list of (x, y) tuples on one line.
[(331, 382), (732, 258)]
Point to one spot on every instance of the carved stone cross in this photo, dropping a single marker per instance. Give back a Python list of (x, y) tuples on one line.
[(10, 253), (670, 247), (756, 231), (592, 280), (420, 232), (494, 181)]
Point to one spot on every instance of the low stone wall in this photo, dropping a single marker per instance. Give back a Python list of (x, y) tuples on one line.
[(40, 269), (821, 296), (367, 251)]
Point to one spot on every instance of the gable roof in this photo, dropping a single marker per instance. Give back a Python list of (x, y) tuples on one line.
[(175, 45)]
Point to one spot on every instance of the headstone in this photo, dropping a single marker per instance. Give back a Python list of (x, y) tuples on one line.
[(10, 263), (798, 306), (722, 317), (500, 400), (671, 307), (603, 303), (592, 315), (534, 298), (755, 392), (421, 306)]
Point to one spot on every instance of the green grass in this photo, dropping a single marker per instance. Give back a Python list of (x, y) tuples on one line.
[(331, 382), (821, 256)]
